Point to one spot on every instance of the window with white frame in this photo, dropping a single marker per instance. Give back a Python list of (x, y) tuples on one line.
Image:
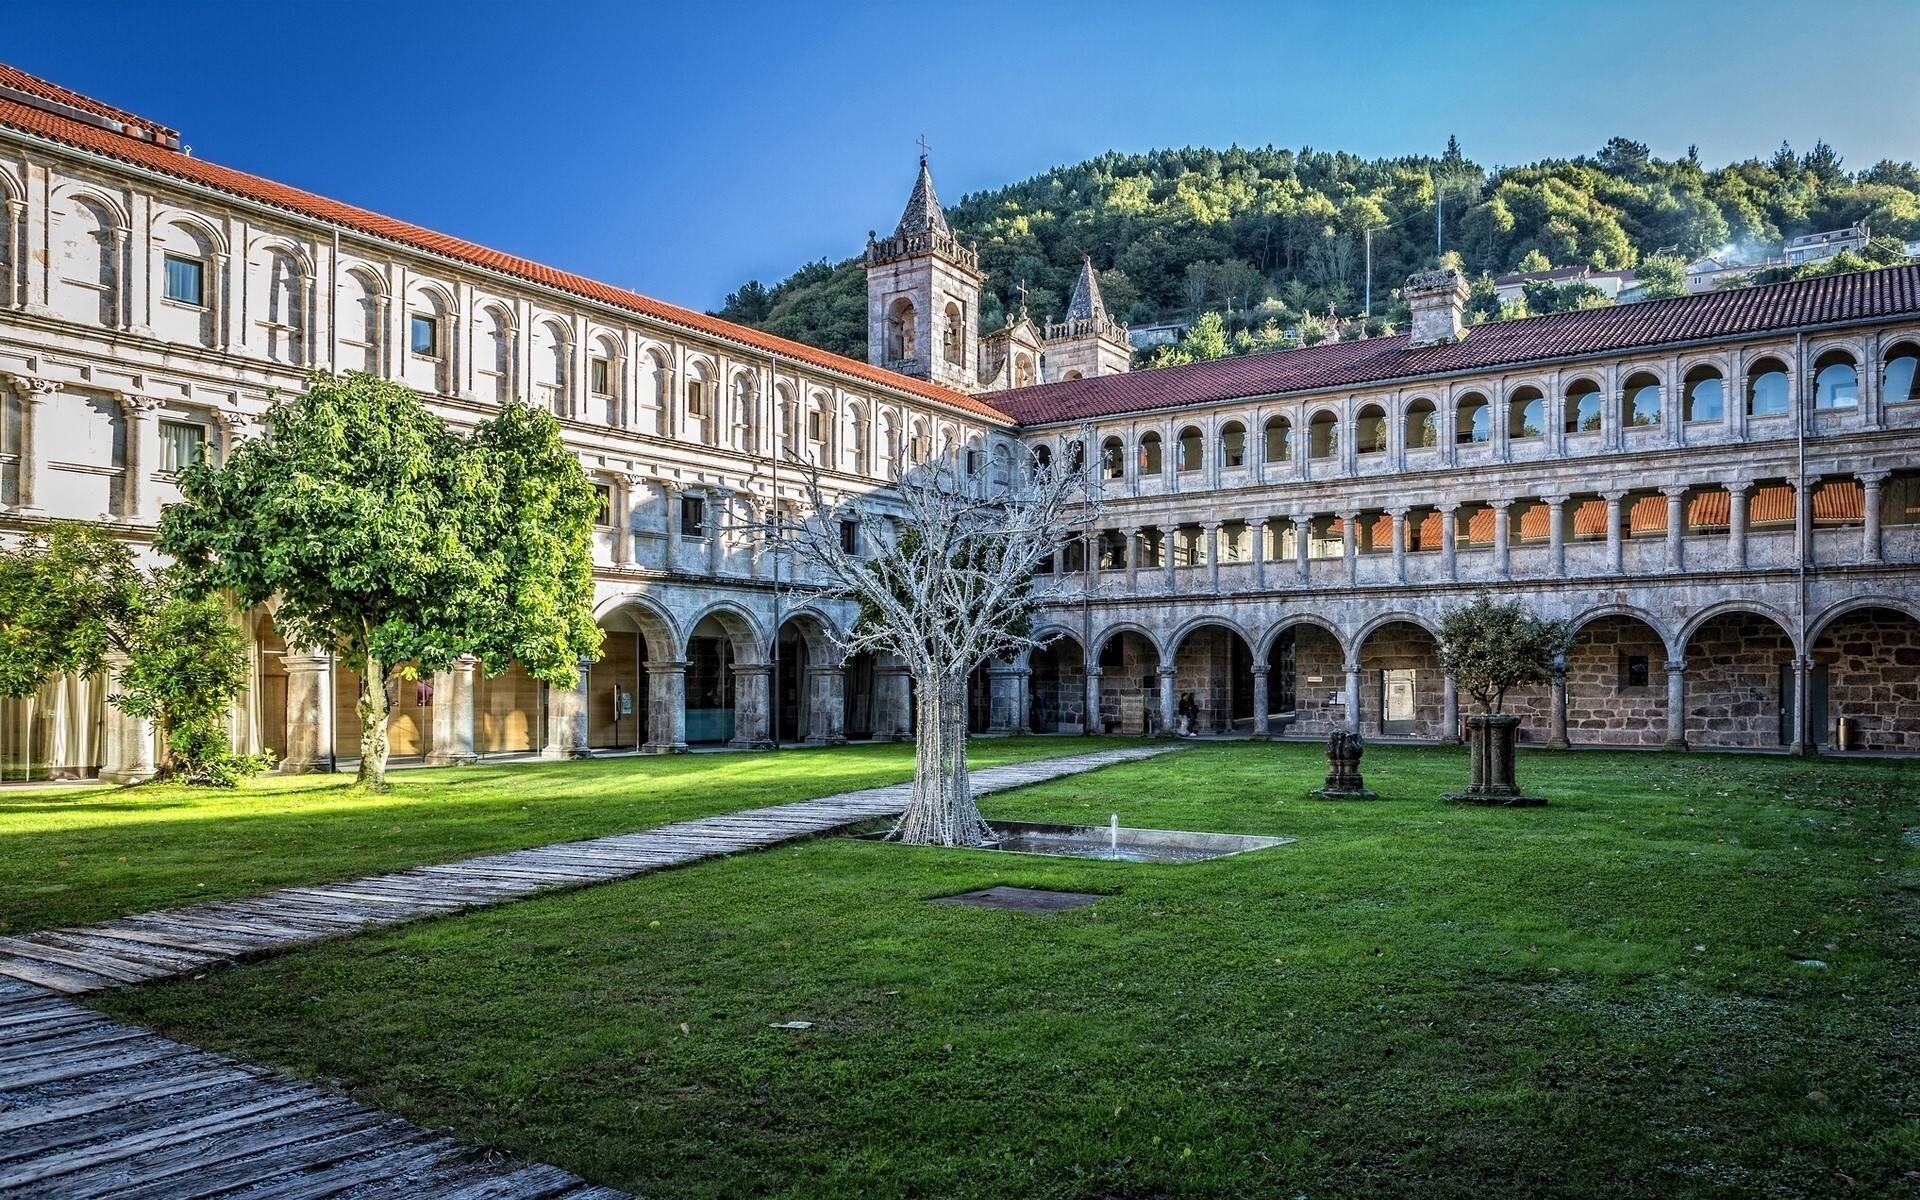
[(181, 445), (600, 376), (186, 280)]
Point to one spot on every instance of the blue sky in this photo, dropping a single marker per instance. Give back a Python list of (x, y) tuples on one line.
[(681, 149)]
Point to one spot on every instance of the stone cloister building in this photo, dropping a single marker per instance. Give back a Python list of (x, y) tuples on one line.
[(1723, 491)]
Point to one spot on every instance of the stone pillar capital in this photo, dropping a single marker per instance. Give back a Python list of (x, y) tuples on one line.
[(1260, 670), (1447, 507), (1615, 496), (1676, 491), (1399, 513), (1501, 504), (1738, 486), (1556, 500), (34, 388), (1871, 480), (1165, 671), (1676, 666)]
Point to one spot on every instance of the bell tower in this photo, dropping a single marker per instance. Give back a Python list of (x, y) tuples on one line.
[(923, 296), (1089, 341)]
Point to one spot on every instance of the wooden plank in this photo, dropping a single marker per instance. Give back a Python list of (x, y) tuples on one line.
[(127, 930), (93, 962), (385, 1166), (103, 1099), (118, 1149), (174, 1168), (65, 1067), (122, 1121), (538, 1182), (91, 940), (287, 1165)]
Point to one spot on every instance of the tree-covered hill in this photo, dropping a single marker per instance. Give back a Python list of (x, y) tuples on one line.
[(1273, 239)]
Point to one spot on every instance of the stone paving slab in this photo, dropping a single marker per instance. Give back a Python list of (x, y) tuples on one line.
[(93, 1108)]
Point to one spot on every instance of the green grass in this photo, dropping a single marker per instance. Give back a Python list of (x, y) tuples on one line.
[(1597, 998), (70, 855)]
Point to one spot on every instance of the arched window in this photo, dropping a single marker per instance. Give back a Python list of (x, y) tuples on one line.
[(1898, 384), (1704, 399), (494, 356), (1040, 461), (607, 380), (1323, 435), (428, 333), (87, 278), (551, 357), (188, 285), (1423, 425), (953, 335), (1526, 414), (1113, 458), (889, 445), (1640, 401), (655, 385), (1768, 394), (1186, 451), (857, 437), (699, 403), (974, 460), (1370, 430), (1071, 375), (1233, 445), (1279, 440), (282, 318), (917, 442), (746, 412), (818, 427), (1002, 465), (1152, 458), (1585, 412), (359, 323), (1835, 382), (1471, 423), (900, 330)]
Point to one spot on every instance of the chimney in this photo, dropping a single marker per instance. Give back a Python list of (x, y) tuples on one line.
[(1439, 303)]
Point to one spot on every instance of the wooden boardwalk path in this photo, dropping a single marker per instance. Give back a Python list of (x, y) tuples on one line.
[(90, 1107)]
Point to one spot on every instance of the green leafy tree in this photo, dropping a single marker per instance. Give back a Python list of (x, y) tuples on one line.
[(75, 600), (1663, 276), (395, 543), (1491, 648)]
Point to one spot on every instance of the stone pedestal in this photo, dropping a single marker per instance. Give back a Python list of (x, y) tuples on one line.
[(892, 703), (129, 756), (1004, 714), (1343, 769), (453, 715), (567, 719), (1491, 737), (666, 708), (307, 716), (826, 706), (751, 730)]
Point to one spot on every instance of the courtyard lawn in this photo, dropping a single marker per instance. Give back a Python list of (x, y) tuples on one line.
[(1600, 997), (71, 855)]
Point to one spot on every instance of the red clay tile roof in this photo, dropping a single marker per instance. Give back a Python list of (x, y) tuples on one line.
[(33, 85), (1864, 295), (82, 136)]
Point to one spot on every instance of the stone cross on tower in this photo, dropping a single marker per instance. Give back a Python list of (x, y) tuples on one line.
[(924, 148)]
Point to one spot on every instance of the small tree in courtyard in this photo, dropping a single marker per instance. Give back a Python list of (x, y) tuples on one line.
[(1490, 648), (396, 543), (954, 589), (75, 600)]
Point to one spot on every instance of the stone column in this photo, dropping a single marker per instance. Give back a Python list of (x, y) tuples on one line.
[(1556, 535), (1804, 739), (1213, 557), (453, 715), (1737, 523), (129, 754), (307, 716), (1615, 561), (1676, 705), (1449, 710), (670, 554), (826, 706), (1091, 722), (666, 707), (1257, 534), (892, 700), (1261, 702), (1557, 727), (36, 439), (752, 707), (1167, 702), (1350, 544), (567, 719), (1803, 519), (1676, 527), (1168, 535), (1870, 516), (623, 485), (1302, 544), (1399, 516), (143, 457), (1136, 542), (1353, 697), (1003, 698), (719, 518), (1449, 535), (1502, 557)]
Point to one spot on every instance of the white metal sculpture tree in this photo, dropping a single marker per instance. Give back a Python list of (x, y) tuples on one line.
[(955, 588)]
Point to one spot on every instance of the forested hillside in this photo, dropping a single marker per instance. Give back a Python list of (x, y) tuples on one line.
[(1272, 239)]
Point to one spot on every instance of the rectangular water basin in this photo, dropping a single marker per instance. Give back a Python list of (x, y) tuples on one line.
[(1124, 844)]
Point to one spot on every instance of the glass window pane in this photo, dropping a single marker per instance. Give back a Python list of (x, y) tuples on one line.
[(1836, 386), (426, 336), (1767, 395), (181, 444), (1900, 379), (186, 279)]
